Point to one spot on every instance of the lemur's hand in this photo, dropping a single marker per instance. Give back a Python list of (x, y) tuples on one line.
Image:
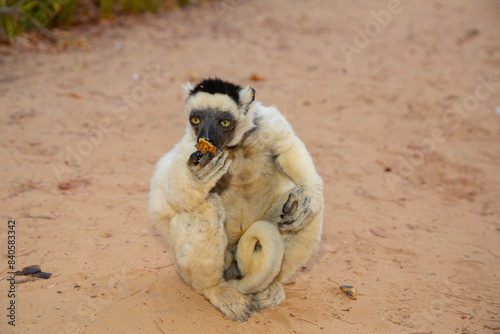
[(298, 210), (194, 159), (207, 169)]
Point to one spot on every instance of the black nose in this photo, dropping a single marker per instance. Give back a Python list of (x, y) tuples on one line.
[(205, 132), (211, 132)]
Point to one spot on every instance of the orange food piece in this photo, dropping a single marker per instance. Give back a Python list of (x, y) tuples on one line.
[(204, 146)]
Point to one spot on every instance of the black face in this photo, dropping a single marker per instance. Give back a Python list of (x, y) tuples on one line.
[(215, 126)]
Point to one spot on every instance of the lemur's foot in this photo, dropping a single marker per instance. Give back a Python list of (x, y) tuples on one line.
[(273, 295), (231, 302)]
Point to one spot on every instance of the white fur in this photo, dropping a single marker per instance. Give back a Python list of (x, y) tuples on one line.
[(266, 166), (202, 100), (246, 96)]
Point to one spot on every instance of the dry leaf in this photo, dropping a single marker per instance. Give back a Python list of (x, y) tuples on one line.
[(379, 233), (491, 327), (193, 76), (72, 95), (349, 290), (68, 185), (256, 77)]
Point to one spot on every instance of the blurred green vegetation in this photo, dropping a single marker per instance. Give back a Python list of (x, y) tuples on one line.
[(17, 16)]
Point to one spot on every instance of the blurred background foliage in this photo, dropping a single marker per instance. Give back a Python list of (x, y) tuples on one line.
[(17, 16)]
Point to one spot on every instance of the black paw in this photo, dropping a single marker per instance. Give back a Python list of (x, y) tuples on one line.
[(195, 158)]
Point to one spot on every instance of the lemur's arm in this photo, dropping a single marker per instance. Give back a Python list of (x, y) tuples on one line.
[(296, 163), (306, 199), (186, 185)]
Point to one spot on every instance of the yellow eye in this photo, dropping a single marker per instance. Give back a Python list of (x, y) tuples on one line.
[(195, 120), (225, 123)]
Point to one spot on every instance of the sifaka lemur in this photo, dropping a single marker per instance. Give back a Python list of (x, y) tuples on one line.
[(238, 222)]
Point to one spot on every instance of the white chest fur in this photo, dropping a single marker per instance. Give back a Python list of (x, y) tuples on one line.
[(249, 188)]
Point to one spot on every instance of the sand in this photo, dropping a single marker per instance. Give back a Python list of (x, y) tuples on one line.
[(398, 104)]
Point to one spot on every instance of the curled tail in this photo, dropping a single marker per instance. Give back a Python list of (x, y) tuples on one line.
[(259, 256)]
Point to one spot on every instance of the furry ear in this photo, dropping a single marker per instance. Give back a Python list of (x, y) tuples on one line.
[(188, 89), (247, 96)]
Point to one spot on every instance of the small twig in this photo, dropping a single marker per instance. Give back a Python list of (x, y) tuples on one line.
[(30, 187), (461, 313), (482, 213), (340, 318), (494, 223), (37, 217), (27, 253), (458, 272), (465, 298), (428, 274), (469, 261), (306, 321), (348, 268), (331, 280), (158, 327), (157, 268), (130, 295), (483, 248)]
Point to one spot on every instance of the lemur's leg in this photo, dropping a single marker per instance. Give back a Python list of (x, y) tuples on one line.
[(267, 256), (198, 251)]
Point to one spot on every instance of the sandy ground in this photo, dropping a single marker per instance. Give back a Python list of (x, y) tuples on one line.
[(400, 121)]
